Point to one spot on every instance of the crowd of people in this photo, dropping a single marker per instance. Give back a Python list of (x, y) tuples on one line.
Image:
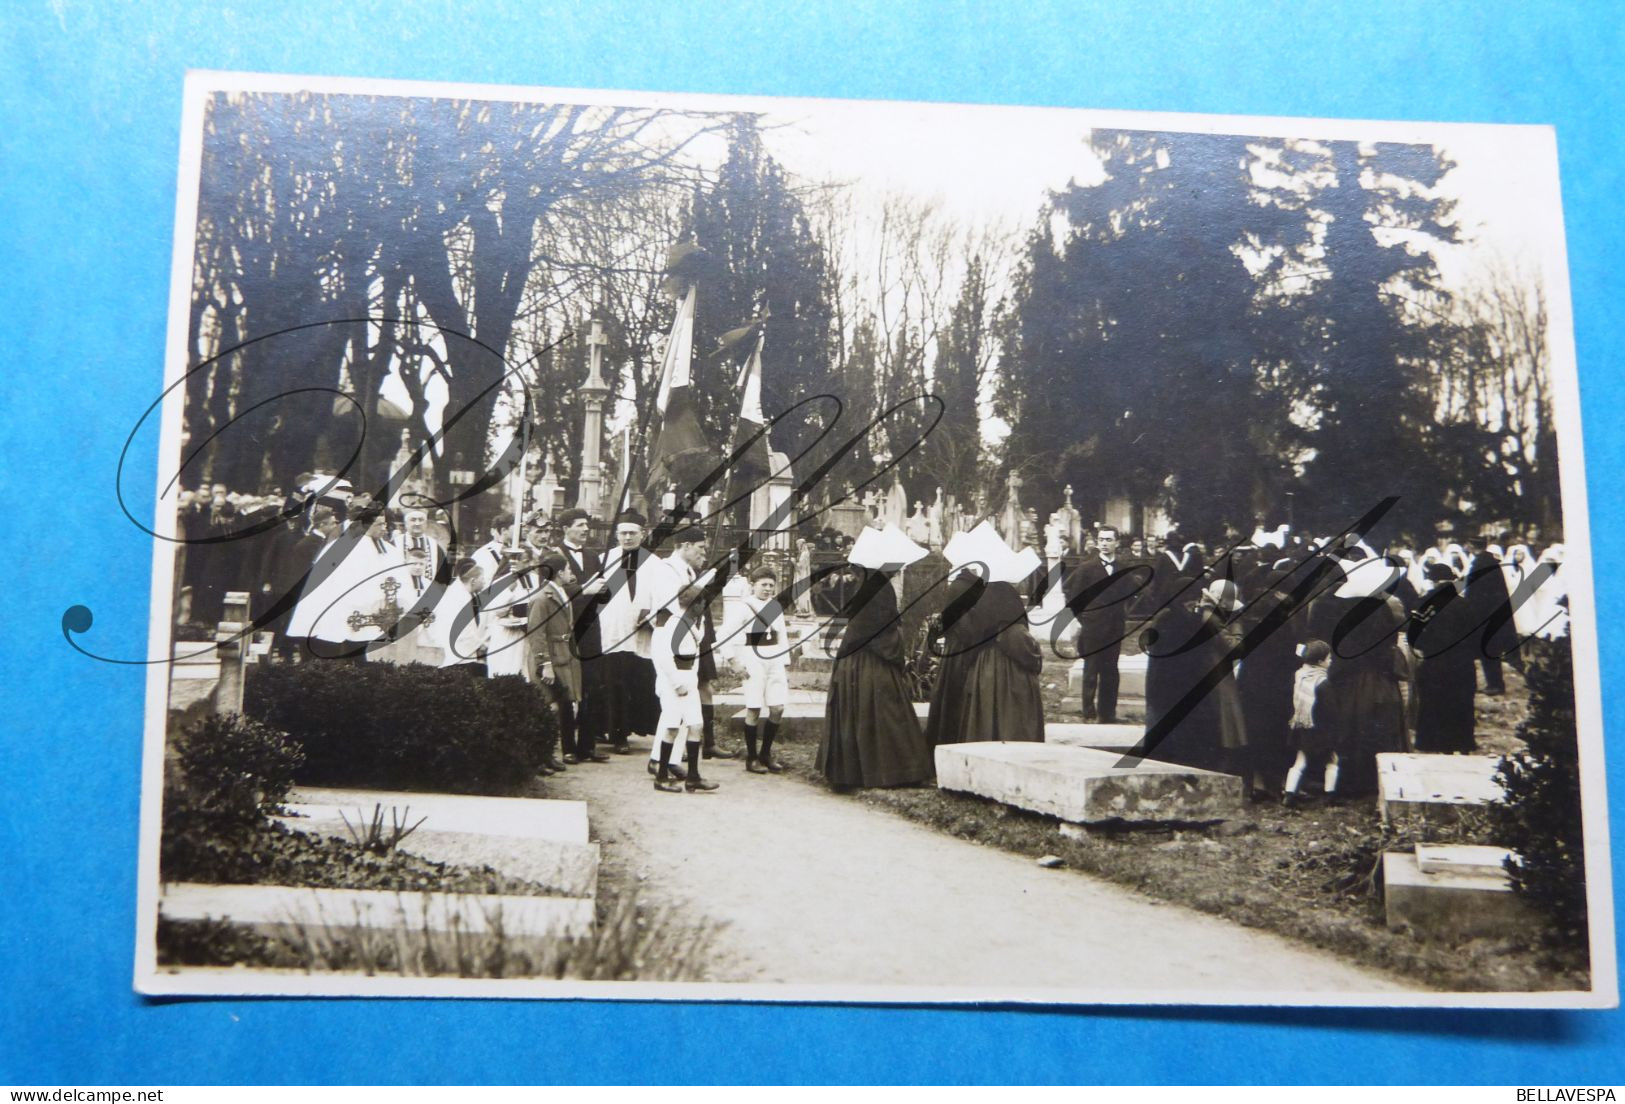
[(619, 642), (1280, 659), (1283, 658), (1287, 655)]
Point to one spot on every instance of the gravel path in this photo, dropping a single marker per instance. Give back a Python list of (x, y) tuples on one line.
[(817, 889)]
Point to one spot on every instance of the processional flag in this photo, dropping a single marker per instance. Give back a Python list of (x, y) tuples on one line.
[(753, 458), (678, 453)]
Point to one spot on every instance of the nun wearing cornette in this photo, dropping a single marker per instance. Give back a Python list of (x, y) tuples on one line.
[(871, 735), (988, 688)]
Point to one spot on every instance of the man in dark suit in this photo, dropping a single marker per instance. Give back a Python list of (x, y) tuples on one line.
[(1098, 594), (287, 558), (1491, 604), (586, 602)]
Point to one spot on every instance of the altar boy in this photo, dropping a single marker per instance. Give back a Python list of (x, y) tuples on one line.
[(755, 640), (675, 646)]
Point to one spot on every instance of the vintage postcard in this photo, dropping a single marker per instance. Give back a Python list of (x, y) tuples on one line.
[(672, 546)]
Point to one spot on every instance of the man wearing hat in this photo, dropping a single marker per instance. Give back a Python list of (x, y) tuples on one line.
[(535, 543)]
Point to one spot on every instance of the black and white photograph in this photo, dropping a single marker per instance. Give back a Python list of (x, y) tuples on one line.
[(644, 546)]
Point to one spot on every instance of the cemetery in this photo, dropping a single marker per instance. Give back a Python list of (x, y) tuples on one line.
[(654, 410), (258, 869), (402, 829)]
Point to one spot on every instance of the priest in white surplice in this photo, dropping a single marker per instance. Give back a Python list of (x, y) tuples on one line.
[(624, 636), (353, 593)]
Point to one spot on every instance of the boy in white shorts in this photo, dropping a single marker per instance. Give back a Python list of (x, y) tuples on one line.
[(757, 643), (675, 650)]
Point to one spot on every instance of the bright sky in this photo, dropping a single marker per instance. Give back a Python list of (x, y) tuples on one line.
[(996, 164), (993, 167)]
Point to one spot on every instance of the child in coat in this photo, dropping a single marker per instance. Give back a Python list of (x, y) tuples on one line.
[(1311, 740)]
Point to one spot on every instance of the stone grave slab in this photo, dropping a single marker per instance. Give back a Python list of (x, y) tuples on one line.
[(1087, 785), (1460, 858), (568, 869), (734, 700), (261, 906), (1107, 737), (193, 672), (1460, 903), (804, 720), (1130, 681), (1434, 788), (809, 679), (517, 817)]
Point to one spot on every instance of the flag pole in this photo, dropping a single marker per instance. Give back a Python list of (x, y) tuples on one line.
[(733, 446), (524, 458), (688, 287)]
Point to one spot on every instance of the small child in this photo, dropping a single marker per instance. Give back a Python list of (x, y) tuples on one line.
[(1312, 740)]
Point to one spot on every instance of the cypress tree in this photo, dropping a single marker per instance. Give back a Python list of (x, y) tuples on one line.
[(1540, 818)]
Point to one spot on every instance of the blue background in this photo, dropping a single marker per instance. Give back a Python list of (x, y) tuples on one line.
[(90, 105)]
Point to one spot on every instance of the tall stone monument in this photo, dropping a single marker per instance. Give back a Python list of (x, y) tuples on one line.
[(547, 490), (918, 526), (1012, 520), (590, 487), (770, 512), (848, 516), (934, 521), (1071, 521)]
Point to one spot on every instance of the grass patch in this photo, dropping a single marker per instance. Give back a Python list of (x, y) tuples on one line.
[(1311, 875), (629, 943)]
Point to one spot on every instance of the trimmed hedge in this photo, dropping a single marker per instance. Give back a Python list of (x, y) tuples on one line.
[(389, 727)]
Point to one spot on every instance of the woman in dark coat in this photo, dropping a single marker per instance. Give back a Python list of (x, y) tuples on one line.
[(871, 735), (1361, 702), (1265, 683), (965, 633), (1000, 696), (1441, 633), (1186, 645)]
